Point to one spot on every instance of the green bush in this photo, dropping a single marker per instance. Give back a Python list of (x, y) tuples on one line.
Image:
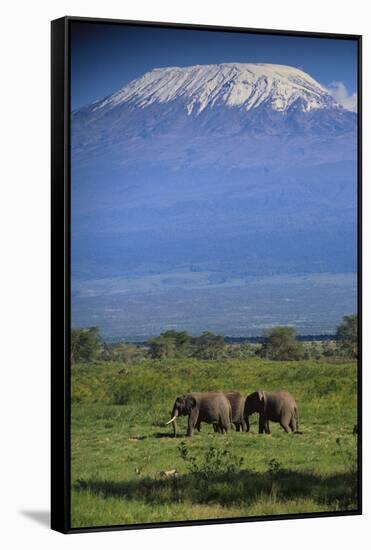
[(215, 462)]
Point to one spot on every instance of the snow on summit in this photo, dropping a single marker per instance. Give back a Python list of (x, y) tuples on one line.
[(242, 85)]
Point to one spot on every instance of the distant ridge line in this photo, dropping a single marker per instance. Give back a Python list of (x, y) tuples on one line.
[(238, 339)]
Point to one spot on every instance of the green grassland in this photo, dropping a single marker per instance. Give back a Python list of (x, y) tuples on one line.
[(121, 448)]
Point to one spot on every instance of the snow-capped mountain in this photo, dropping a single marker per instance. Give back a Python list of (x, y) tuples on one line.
[(228, 171), (203, 102), (243, 85)]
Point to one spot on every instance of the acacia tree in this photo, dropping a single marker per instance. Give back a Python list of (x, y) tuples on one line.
[(209, 346), (170, 344), (162, 347), (347, 335), (85, 344), (281, 344), (181, 340)]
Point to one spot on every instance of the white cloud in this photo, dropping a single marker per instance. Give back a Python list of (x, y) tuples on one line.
[(340, 94)]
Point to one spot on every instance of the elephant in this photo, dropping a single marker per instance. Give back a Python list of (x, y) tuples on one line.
[(237, 402), (211, 407), (275, 406)]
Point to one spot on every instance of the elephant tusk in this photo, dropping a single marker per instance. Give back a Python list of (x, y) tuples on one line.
[(170, 421)]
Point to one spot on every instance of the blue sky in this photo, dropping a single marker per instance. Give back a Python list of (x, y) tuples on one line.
[(104, 57)]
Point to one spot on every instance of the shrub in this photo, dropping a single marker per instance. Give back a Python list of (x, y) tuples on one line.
[(215, 462)]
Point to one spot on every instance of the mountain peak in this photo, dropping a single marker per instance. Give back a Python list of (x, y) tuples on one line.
[(237, 85)]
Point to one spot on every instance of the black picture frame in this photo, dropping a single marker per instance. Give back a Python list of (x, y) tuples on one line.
[(61, 273)]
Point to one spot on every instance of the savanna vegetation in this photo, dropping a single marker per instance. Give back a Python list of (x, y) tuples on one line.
[(279, 343), (127, 467)]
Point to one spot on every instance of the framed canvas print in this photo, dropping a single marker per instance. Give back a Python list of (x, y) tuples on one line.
[(206, 313)]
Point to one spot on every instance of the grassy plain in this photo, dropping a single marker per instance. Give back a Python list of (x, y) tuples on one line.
[(121, 447)]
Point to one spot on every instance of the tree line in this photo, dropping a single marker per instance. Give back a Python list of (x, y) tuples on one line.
[(280, 343)]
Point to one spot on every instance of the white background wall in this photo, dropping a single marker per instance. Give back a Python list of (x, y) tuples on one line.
[(24, 304)]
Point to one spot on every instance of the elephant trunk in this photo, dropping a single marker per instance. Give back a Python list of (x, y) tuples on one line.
[(175, 428)]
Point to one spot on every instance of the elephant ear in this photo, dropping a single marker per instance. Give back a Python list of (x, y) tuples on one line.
[(190, 402)]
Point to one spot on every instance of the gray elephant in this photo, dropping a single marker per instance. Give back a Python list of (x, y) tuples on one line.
[(211, 407), (237, 402), (275, 406)]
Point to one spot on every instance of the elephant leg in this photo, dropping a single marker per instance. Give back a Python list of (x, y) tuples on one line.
[(216, 428), (237, 426), (293, 423), (224, 423), (192, 422), (261, 423), (285, 421), (266, 427), (244, 426), (285, 427), (198, 425)]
